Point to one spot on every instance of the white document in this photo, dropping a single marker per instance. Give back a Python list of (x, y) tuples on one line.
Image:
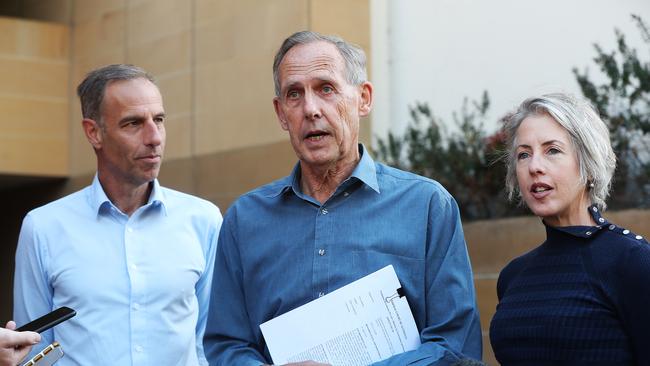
[(361, 323)]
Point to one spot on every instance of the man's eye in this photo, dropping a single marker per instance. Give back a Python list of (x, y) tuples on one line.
[(293, 94), (159, 120), (328, 89)]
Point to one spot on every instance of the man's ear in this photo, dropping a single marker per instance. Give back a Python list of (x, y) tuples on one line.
[(366, 99), (282, 118), (93, 132)]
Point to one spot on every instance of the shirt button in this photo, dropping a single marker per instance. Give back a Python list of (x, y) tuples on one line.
[(138, 348), (594, 208), (321, 252), (588, 233), (324, 211), (136, 306), (133, 267), (626, 231), (600, 219), (638, 237), (129, 229), (321, 294), (345, 194), (612, 227)]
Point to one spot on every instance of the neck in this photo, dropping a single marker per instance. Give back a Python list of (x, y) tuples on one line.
[(320, 182), (125, 196), (576, 214)]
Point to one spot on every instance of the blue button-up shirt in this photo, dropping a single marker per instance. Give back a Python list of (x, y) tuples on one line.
[(280, 248), (140, 284)]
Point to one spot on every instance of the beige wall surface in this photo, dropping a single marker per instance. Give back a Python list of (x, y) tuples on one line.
[(212, 60), (33, 98)]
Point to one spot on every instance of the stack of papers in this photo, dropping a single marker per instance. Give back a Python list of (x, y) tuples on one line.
[(361, 323)]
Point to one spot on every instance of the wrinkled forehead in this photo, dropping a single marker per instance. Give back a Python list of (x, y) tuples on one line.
[(312, 59)]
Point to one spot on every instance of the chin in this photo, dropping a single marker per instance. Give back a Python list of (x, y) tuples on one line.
[(542, 209)]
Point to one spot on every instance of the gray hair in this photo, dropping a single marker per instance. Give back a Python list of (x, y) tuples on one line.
[(353, 55), (92, 88), (589, 136)]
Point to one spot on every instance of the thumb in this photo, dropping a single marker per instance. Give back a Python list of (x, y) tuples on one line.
[(11, 325)]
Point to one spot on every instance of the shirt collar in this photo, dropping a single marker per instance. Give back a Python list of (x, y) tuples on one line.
[(365, 171), (100, 201), (580, 231)]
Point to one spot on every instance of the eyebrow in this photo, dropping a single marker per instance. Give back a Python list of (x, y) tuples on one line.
[(546, 143), (319, 80), (135, 117)]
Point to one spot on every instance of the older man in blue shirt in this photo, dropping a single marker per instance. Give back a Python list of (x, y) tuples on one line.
[(338, 217), (135, 259)]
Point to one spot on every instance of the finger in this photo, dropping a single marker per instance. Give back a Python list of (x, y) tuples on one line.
[(11, 325), (25, 338)]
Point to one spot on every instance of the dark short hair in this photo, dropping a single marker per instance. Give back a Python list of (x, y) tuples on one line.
[(92, 88), (353, 55)]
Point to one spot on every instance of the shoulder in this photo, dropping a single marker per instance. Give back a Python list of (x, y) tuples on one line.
[(393, 178), (270, 189), (59, 209), (266, 193), (185, 201), (615, 244), (621, 248)]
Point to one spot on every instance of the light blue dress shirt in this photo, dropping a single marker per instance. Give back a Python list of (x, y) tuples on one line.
[(140, 284), (279, 249)]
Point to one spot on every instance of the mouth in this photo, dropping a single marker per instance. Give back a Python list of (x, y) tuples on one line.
[(315, 136), (150, 158), (540, 190)]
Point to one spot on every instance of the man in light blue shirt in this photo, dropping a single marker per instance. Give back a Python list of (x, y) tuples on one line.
[(134, 259), (338, 217)]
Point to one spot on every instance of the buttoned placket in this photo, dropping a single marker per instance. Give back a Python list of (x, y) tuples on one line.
[(322, 233), (137, 288)]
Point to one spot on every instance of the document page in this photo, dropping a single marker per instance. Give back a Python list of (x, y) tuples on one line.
[(361, 323)]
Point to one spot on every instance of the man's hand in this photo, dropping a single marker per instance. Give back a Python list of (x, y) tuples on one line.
[(14, 346)]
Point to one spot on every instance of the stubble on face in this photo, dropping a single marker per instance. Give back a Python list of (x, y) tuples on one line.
[(130, 152)]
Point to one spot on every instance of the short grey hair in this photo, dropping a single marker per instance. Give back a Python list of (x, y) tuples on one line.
[(353, 55), (92, 88), (589, 136)]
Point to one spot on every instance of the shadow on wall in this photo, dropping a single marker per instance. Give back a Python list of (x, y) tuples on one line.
[(18, 196)]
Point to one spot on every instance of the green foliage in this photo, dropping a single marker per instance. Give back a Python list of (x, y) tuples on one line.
[(464, 160), (624, 103)]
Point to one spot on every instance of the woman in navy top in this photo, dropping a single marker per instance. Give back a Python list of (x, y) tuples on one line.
[(583, 296)]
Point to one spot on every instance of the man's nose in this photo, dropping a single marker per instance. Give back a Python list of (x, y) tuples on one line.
[(153, 133), (311, 107)]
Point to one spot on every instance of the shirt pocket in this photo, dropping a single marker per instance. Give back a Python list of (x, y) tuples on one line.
[(410, 271)]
